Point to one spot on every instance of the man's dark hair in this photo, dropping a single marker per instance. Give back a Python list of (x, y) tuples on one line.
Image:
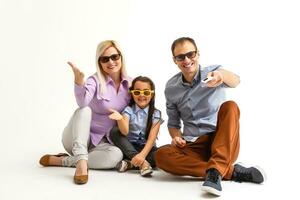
[(181, 41)]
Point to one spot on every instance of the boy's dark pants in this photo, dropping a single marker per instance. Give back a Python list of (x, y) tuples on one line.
[(130, 149)]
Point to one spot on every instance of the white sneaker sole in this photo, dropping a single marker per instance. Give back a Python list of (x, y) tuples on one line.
[(211, 190)]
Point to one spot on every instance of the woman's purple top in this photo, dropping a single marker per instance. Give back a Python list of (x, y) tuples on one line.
[(89, 95)]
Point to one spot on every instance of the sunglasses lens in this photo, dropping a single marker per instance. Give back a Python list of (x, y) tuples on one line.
[(115, 57), (147, 93), (180, 57), (191, 54), (136, 93), (104, 59)]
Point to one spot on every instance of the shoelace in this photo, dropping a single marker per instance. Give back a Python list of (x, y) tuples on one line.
[(213, 176)]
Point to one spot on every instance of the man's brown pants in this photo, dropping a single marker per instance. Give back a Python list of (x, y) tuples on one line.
[(218, 150)]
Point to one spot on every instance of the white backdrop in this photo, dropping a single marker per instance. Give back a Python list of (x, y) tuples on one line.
[(259, 40)]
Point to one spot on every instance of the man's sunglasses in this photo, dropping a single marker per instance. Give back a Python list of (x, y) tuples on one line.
[(181, 57), (141, 92), (113, 57)]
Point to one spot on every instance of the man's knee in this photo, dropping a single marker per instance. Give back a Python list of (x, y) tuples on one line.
[(230, 106)]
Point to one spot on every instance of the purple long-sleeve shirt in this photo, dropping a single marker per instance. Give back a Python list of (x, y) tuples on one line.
[(89, 95)]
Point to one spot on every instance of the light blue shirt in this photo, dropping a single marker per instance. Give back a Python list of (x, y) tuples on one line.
[(193, 104), (138, 122)]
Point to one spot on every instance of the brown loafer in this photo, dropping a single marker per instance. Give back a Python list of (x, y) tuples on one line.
[(45, 159), (82, 179)]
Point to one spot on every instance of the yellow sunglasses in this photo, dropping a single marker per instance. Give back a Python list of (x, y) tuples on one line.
[(141, 92)]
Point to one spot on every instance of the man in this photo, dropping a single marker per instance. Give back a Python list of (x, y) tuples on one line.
[(209, 143)]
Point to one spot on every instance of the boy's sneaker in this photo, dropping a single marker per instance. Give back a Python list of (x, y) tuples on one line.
[(146, 169), (124, 165), (212, 183), (251, 174)]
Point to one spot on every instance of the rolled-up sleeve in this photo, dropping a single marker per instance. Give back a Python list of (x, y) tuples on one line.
[(173, 114), (84, 94)]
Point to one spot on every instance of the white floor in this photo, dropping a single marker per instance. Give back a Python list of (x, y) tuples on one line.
[(27, 180), (23, 178)]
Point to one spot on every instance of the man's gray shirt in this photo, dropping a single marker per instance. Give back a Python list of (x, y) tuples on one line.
[(194, 104)]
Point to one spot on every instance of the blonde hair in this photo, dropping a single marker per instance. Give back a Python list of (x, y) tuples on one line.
[(102, 46)]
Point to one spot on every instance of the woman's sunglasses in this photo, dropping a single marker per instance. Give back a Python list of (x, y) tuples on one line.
[(141, 92), (181, 57), (113, 57)]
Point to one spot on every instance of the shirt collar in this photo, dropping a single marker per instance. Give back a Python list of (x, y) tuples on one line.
[(137, 109), (124, 80), (196, 79)]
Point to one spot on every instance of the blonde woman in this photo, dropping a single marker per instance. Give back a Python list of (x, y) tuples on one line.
[(86, 136)]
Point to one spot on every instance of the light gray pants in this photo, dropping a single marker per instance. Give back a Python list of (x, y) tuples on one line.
[(76, 138)]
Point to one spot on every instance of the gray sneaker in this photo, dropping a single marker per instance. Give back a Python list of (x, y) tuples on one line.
[(253, 174), (124, 165), (212, 183)]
